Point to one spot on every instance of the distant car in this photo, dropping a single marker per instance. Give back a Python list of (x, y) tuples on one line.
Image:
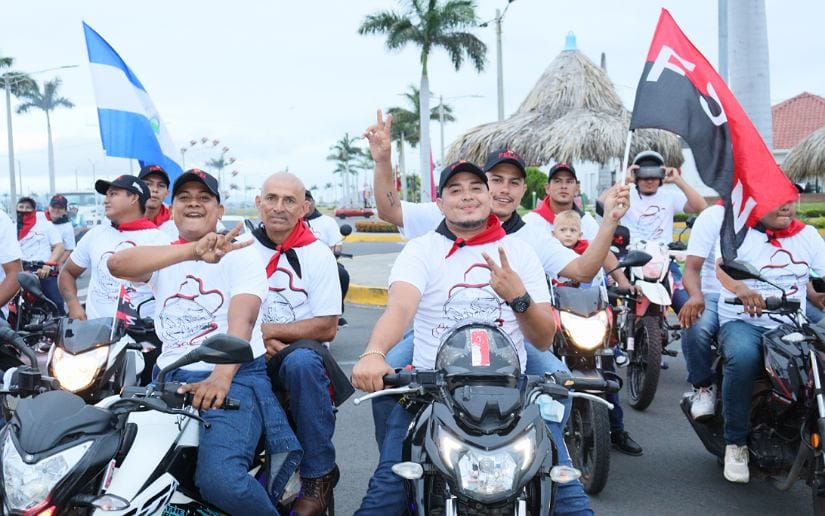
[(343, 213), (89, 206)]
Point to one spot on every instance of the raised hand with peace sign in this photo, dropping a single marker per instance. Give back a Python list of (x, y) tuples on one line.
[(379, 138)]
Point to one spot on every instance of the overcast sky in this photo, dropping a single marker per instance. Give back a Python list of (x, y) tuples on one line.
[(279, 82)]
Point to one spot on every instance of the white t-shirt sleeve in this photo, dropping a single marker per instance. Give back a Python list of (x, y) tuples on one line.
[(246, 271), (589, 227), (67, 232), (9, 246), (53, 234), (679, 200), (817, 250), (412, 265), (330, 233), (324, 287), (703, 235), (419, 218), (81, 255), (532, 275)]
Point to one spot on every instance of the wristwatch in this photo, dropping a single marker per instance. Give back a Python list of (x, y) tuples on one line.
[(520, 304)]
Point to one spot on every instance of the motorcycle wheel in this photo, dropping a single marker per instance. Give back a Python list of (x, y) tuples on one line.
[(645, 361), (588, 439)]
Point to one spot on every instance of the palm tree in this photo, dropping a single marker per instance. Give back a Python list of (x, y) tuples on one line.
[(430, 24), (406, 121), (47, 101), (348, 158), (17, 83)]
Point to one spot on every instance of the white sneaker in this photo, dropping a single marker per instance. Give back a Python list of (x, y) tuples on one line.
[(703, 403), (736, 464)]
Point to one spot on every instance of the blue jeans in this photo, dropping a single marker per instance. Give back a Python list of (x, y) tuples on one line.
[(696, 342), (386, 493), (49, 287), (741, 345), (227, 448), (679, 296), (813, 313), (302, 373)]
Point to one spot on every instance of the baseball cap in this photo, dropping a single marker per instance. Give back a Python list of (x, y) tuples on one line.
[(505, 156), (458, 167), (199, 176), (308, 195), (59, 201), (126, 182), (561, 166), (153, 169)]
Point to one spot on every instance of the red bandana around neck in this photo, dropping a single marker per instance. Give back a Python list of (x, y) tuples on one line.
[(545, 211), (26, 223), (48, 215), (492, 233), (180, 241), (795, 227), (581, 246), (300, 236), (135, 225), (162, 216)]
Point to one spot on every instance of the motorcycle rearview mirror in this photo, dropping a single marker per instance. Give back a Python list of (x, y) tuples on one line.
[(220, 349), (633, 259), (690, 221), (30, 283), (346, 229), (739, 270)]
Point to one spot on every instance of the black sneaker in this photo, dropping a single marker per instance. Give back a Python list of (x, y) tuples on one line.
[(625, 444), (342, 322)]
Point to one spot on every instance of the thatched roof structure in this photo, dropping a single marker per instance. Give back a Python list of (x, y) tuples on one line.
[(572, 114), (807, 159)]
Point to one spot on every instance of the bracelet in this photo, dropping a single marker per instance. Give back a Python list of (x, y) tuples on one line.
[(372, 352)]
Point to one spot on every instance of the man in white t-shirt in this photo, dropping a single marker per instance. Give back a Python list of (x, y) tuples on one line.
[(57, 214), (42, 247), (157, 180), (560, 193), (204, 285), (299, 314), (124, 205), (10, 263), (784, 251), (699, 316), (467, 269), (328, 232)]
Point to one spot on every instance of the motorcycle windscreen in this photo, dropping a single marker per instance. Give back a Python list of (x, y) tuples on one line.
[(583, 301), (477, 349)]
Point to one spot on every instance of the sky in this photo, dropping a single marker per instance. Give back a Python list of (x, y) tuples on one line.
[(280, 82)]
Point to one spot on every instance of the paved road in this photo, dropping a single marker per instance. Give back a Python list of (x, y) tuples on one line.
[(674, 476)]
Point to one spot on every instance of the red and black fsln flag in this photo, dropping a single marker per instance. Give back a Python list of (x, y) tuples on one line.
[(679, 91), (126, 313)]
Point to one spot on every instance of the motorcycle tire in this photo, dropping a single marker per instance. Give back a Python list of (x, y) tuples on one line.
[(645, 362), (588, 438)]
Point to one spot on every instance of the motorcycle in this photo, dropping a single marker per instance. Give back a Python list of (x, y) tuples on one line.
[(787, 412), (479, 443), (30, 310), (584, 318), (129, 454)]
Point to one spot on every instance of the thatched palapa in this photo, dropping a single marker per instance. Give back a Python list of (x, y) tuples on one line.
[(807, 159), (573, 113)]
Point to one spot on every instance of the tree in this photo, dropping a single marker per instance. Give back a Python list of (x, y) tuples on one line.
[(47, 101), (17, 83), (407, 121), (430, 24), (536, 179), (348, 160)]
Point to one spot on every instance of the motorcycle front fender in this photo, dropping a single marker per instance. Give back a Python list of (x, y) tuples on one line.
[(655, 292)]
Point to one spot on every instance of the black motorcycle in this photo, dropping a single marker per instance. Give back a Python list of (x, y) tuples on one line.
[(31, 311), (479, 444), (787, 413), (582, 343)]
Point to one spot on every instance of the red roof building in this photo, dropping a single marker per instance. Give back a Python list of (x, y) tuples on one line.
[(796, 118)]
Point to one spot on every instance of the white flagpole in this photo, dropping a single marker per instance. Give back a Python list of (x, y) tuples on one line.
[(623, 171)]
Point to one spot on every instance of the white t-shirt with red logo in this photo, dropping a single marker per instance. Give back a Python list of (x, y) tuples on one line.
[(37, 245), (93, 252), (65, 229), (315, 293), (788, 266), (192, 302), (703, 237), (9, 246), (421, 218), (589, 225), (650, 217), (457, 289)]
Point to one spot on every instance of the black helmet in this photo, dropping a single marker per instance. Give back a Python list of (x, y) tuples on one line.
[(650, 164)]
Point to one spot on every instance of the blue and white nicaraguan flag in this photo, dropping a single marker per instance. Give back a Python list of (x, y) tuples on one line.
[(130, 126)]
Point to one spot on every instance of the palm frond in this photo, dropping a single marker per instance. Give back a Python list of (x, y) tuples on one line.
[(461, 44)]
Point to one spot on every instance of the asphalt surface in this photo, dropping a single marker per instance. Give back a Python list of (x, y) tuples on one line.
[(674, 476)]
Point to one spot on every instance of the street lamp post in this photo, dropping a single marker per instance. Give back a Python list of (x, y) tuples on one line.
[(442, 113), (499, 59)]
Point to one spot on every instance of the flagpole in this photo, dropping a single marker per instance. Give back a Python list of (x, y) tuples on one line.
[(623, 171)]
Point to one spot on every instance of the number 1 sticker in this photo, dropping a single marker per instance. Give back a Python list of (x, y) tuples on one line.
[(480, 343)]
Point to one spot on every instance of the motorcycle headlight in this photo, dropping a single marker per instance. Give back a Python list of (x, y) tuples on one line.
[(28, 485), (487, 472), (653, 269), (76, 372), (586, 333)]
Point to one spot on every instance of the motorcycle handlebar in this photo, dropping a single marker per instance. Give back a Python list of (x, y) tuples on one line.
[(771, 303), (398, 379), (620, 291)]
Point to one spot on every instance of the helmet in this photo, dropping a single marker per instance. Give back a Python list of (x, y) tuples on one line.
[(650, 165)]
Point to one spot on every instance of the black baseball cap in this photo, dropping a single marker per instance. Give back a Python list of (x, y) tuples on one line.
[(457, 167), (308, 195), (201, 177), (154, 169), (125, 182), (505, 156), (59, 201), (561, 166)]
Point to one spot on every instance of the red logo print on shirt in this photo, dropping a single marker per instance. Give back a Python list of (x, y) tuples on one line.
[(189, 314), (281, 302), (472, 300)]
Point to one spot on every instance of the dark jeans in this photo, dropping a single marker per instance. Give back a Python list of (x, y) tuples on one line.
[(50, 290), (679, 296), (741, 346)]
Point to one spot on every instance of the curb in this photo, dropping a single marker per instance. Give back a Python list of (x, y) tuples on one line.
[(364, 295), (379, 237)]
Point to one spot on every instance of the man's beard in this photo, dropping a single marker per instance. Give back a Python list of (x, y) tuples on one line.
[(469, 224)]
